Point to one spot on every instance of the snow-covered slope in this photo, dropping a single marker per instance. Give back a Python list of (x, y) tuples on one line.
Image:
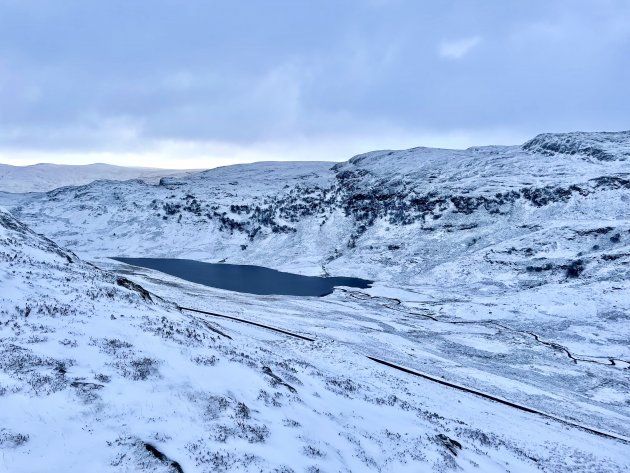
[(502, 269), (605, 146), (46, 177), (98, 374), (510, 216)]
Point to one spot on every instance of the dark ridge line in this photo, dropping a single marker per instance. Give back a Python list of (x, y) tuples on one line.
[(500, 401), (557, 346), (248, 322)]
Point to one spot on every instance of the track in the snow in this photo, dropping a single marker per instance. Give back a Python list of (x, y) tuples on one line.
[(214, 314), (432, 378), (499, 400)]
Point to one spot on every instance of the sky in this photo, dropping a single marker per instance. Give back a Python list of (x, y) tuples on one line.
[(203, 83)]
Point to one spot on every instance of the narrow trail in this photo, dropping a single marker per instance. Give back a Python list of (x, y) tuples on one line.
[(502, 401), (237, 319)]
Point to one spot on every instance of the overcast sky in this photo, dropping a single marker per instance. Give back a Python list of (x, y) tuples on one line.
[(187, 83)]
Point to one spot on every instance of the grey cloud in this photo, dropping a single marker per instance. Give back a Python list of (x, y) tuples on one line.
[(116, 74)]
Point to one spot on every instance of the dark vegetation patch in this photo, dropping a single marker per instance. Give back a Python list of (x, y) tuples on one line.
[(270, 400), (183, 332), (291, 423), (45, 308), (218, 461), (137, 369), (313, 452), (205, 360), (9, 439), (540, 269), (343, 386), (215, 407), (595, 231), (250, 432), (43, 375), (614, 257), (113, 346), (86, 391), (103, 378), (572, 269)]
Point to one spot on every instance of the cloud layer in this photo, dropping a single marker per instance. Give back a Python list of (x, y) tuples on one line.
[(456, 49), (201, 82)]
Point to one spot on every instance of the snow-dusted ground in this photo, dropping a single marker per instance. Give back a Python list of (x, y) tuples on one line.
[(97, 377), (46, 177), (502, 269)]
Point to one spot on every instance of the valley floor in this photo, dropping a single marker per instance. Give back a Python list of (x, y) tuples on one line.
[(508, 347)]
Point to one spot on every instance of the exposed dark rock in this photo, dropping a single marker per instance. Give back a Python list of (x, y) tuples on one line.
[(451, 444), (163, 458), (575, 268), (132, 286)]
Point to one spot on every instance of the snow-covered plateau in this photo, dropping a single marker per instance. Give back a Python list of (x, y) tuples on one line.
[(45, 177), (500, 273)]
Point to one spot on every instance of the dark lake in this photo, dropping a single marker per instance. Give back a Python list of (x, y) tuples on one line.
[(246, 278)]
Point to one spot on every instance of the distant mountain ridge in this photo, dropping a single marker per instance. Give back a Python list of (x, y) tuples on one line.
[(45, 177), (484, 214), (603, 146)]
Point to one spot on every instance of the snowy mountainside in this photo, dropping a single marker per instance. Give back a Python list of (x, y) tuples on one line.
[(45, 177), (605, 146), (405, 216), (98, 373), (503, 269)]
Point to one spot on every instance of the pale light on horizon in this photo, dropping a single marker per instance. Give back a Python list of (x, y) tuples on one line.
[(233, 82), (201, 155)]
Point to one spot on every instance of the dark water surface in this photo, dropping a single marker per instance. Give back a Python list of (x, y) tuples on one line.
[(246, 278)]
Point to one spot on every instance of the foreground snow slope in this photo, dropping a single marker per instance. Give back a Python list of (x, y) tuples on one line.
[(46, 177), (97, 374)]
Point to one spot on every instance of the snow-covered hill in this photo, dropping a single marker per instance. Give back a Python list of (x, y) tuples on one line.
[(502, 269), (98, 374), (495, 215), (46, 177)]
